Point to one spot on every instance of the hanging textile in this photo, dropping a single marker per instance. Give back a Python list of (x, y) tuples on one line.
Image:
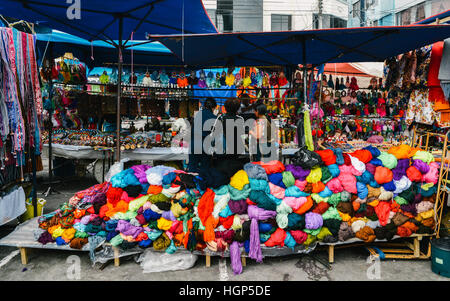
[(444, 69), (20, 104), (436, 94)]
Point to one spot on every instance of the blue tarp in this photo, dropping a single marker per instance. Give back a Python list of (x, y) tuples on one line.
[(216, 94), (363, 44), (98, 19), (62, 37), (150, 54)]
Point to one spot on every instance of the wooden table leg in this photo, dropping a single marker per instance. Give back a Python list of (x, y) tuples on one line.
[(244, 261), (116, 257), (208, 261), (416, 247), (23, 255), (331, 253)]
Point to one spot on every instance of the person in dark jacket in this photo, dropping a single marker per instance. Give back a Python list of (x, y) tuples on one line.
[(232, 147), (200, 129)]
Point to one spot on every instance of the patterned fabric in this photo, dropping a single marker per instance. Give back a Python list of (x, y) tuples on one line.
[(420, 109)]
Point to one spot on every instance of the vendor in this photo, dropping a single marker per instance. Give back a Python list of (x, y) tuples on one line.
[(246, 109), (233, 146), (261, 133), (198, 158), (109, 123)]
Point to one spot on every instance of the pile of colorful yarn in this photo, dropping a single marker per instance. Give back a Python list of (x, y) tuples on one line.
[(367, 194)]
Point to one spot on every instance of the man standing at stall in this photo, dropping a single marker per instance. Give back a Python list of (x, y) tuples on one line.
[(198, 158)]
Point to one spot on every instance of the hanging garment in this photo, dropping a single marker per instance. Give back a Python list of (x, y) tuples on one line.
[(420, 109), (12, 205), (436, 94), (444, 69)]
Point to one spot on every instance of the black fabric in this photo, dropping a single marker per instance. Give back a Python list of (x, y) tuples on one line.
[(306, 158)]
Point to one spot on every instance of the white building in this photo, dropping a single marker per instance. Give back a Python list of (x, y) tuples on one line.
[(392, 12), (275, 15)]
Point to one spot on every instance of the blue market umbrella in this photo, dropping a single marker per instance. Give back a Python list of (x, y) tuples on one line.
[(113, 21)]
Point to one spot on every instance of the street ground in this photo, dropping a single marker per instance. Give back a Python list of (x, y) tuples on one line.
[(350, 263)]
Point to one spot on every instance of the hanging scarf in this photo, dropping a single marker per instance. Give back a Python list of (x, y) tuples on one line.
[(16, 125)]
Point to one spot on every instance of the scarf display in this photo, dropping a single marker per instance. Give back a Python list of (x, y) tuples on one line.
[(20, 103)]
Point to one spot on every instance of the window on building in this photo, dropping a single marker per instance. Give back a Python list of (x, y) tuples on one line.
[(329, 21), (356, 9), (412, 14), (336, 22), (281, 22), (224, 15), (420, 12)]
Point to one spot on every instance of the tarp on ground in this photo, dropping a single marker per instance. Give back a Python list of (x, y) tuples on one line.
[(99, 19), (362, 44)]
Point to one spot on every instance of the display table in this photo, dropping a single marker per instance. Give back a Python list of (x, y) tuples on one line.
[(88, 152), (141, 154)]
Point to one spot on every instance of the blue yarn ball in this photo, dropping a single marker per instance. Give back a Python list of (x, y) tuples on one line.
[(365, 178), (151, 215), (326, 192), (277, 179), (264, 227), (111, 234), (145, 188), (247, 246), (373, 150), (362, 190), (60, 241), (376, 162), (374, 184), (145, 243), (390, 186), (334, 170), (289, 241)]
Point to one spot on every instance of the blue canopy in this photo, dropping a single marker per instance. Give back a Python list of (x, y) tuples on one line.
[(99, 19), (153, 53), (363, 44)]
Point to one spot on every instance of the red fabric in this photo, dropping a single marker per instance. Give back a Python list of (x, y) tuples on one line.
[(249, 202), (327, 155), (226, 222), (347, 160), (435, 93), (277, 238), (206, 205), (435, 63)]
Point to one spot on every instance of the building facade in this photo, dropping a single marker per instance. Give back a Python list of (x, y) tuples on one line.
[(276, 15), (392, 12)]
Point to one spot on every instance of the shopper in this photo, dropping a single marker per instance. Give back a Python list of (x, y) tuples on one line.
[(261, 134), (232, 147), (246, 109), (198, 158)]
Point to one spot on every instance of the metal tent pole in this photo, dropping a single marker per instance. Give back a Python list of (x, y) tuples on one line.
[(119, 88)]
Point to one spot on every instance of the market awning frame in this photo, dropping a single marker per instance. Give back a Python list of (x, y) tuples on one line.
[(362, 44)]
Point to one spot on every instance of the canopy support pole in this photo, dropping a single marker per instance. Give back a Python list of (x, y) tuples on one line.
[(119, 88), (305, 84)]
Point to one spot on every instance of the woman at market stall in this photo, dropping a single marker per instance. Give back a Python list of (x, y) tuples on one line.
[(261, 134), (246, 109), (198, 158)]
